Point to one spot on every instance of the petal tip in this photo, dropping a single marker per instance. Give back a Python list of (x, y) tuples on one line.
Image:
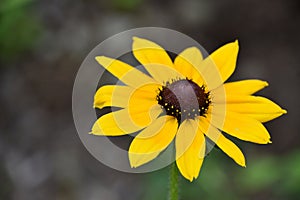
[(131, 162), (189, 177), (135, 38), (193, 48), (102, 60), (284, 111), (266, 83), (99, 57), (242, 162), (242, 165), (132, 166)]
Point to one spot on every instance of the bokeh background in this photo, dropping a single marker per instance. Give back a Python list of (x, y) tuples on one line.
[(43, 43)]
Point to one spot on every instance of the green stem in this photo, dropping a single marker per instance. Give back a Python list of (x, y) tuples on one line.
[(173, 182)]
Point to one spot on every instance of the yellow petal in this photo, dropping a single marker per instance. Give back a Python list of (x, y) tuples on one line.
[(126, 73), (155, 59), (188, 64), (186, 134), (223, 143), (146, 116), (256, 107), (142, 100), (231, 150), (265, 117), (211, 74), (115, 123), (245, 87), (190, 149), (144, 148), (242, 127), (112, 95), (225, 59), (253, 105), (148, 52)]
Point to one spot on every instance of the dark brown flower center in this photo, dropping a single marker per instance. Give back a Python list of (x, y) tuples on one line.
[(184, 99)]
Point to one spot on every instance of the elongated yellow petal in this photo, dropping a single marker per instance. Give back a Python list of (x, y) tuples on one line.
[(126, 73), (145, 116), (211, 75), (112, 95), (147, 146), (225, 58), (244, 87), (223, 143), (142, 100), (231, 150), (188, 64), (185, 136), (190, 149), (254, 105), (235, 101), (116, 123), (163, 74), (146, 92), (265, 117), (148, 52), (259, 108), (242, 127), (155, 59)]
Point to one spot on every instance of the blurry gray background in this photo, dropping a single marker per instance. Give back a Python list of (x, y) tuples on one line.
[(43, 43)]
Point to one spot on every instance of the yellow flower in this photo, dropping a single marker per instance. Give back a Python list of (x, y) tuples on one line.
[(186, 101)]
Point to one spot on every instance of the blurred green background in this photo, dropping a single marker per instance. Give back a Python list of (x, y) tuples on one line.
[(42, 44)]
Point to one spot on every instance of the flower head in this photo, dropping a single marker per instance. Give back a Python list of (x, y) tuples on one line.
[(185, 100)]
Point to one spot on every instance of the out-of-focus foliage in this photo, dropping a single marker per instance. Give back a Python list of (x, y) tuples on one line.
[(5, 184), (19, 29), (126, 5), (274, 177)]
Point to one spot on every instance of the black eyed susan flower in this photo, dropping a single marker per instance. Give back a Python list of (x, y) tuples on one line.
[(186, 101)]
